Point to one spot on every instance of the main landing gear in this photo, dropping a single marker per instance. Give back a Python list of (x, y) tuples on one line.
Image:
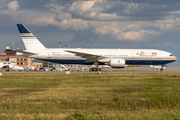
[(94, 69)]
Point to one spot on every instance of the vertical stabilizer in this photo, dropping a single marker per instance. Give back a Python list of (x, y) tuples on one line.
[(30, 41)]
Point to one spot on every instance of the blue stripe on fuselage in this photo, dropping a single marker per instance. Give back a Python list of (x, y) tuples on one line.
[(128, 62), (66, 61), (148, 62)]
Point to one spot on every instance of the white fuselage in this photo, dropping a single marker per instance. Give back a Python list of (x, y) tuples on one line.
[(131, 56), (117, 58)]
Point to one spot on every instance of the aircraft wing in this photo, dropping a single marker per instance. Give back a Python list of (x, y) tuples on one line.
[(89, 57), (24, 52)]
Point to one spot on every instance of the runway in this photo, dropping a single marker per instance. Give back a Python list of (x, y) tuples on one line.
[(125, 70)]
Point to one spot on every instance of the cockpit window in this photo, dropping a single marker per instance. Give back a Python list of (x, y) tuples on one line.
[(171, 55)]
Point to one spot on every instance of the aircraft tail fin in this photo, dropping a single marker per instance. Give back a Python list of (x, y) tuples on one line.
[(29, 40)]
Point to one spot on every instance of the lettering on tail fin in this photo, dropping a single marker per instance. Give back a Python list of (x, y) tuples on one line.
[(29, 40)]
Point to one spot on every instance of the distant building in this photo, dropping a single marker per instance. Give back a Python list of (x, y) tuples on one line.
[(19, 60), (37, 64), (23, 61), (10, 52), (2, 54)]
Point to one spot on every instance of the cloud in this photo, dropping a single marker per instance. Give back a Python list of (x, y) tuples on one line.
[(118, 20), (95, 23), (1, 4), (82, 6), (136, 31), (13, 5), (154, 2), (126, 25)]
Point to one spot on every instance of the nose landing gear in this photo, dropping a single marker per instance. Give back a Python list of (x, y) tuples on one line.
[(162, 67)]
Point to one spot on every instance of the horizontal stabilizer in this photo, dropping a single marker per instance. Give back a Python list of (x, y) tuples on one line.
[(23, 51)]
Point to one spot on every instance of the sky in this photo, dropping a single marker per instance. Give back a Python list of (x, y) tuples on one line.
[(126, 24)]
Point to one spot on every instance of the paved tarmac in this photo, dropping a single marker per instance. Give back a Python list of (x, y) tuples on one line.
[(125, 70)]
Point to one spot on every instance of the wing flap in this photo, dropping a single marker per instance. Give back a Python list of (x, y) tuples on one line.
[(88, 56)]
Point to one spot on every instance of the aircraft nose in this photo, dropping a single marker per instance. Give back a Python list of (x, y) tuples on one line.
[(175, 57)]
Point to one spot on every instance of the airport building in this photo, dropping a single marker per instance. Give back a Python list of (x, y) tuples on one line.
[(19, 60), (23, 61)]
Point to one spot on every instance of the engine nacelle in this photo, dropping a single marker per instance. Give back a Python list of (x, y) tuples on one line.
[(117, 63)]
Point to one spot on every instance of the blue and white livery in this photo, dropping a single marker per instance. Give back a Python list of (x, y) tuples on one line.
[(116, 58)]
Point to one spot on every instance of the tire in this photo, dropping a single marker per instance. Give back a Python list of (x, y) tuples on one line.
[(94, 69), (161, 69)]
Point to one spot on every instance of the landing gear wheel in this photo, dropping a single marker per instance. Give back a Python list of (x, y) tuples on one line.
[(94, 69), (161, 69)]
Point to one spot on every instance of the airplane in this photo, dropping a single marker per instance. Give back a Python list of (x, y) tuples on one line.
[(6, 64), (17, 68), (10, 65), (115, 58)]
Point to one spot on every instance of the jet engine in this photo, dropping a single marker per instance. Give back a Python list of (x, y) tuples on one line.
[(117, 63)]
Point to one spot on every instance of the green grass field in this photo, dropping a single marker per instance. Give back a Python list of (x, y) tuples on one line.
[(90, 97)]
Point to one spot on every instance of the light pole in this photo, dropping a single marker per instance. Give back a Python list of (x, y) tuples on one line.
[(59, 44), (69, 44), (12, 44)]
